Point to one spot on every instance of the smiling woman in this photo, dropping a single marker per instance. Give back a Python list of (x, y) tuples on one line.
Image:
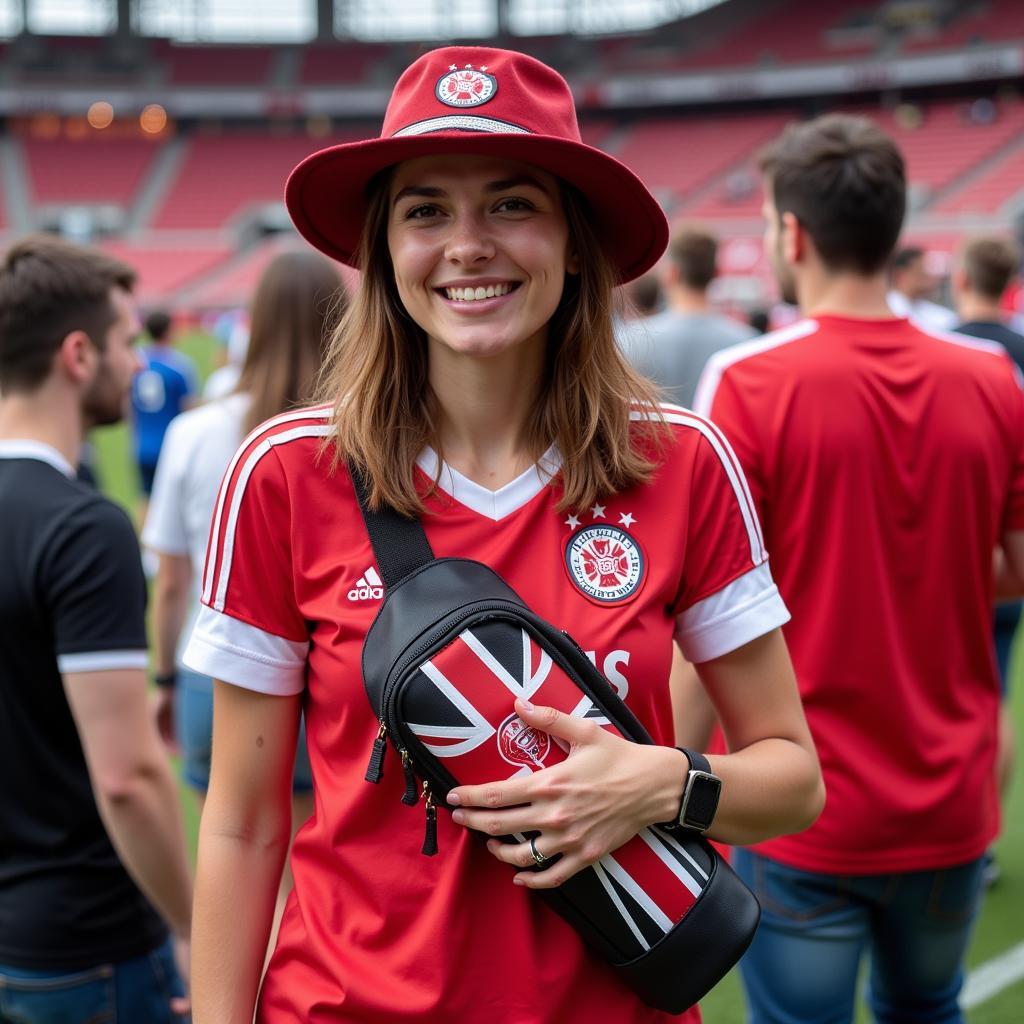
[(474, 383)]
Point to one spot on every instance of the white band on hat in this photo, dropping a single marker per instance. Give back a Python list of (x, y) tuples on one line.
[(464, 123)]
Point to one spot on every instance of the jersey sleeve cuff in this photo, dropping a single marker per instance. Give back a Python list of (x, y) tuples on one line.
[(158, 542), (741, 611), (236, 652), (102, 661)]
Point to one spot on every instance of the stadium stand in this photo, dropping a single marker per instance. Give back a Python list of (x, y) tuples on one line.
[(87, 170), (784, 34), (331, 65), (971, 24), (947, 143), (166, 267), (224, 175), (186, 202), (216, 65), (989, 191), (676, 156)]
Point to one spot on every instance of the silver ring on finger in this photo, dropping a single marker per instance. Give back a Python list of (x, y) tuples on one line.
[(538, 858)]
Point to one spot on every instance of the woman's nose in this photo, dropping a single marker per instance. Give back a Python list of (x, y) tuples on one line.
[(469, 241)]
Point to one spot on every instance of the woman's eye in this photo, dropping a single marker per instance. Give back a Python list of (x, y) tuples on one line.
[(513, 206), (421, 212)]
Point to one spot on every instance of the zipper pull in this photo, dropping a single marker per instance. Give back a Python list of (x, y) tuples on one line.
[(375, 769), (430, 834), (410, 796)]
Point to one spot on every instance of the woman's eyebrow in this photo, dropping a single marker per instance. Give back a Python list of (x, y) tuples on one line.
[(420, 192), (516, 182)]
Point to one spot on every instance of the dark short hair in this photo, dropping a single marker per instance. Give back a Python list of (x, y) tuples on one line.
[(843, 179), (694, 252), (645, 293), (990, 263), (158, 323), (906, 257), (49, 288)]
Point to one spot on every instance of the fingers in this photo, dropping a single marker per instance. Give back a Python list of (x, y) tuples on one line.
[(500, 822), (557, 723), (558, 868)]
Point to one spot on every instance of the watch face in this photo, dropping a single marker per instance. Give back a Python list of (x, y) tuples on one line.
[(703, 791)]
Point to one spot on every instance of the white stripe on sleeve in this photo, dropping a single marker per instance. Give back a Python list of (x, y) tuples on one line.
[(733, 472), (704, 397), (238, 653), (225, 487), (255, 455), (741, 611), (102, 661)]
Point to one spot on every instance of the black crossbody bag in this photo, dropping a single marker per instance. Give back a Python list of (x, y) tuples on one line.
[(449, 651)]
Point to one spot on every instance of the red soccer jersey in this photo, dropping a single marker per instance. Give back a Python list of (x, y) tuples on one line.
[(374, 930), (885, 463)]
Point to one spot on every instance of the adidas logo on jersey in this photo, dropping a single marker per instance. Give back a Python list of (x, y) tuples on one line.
[(369, 587)]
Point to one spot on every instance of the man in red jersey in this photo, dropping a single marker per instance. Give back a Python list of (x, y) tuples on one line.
[(886, 464)]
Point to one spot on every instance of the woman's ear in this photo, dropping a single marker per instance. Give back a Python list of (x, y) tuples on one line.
[(572, 263)]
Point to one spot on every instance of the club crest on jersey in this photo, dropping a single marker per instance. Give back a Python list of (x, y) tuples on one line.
[(466, 87), (605, 563), (521, 744)]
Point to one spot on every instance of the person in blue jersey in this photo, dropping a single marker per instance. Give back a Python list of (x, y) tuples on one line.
[(164, 387)]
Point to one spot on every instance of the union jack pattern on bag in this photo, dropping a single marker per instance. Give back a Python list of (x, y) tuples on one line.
[(464, 716)]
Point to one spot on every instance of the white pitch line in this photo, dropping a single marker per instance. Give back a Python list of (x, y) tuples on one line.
[(992, 977)]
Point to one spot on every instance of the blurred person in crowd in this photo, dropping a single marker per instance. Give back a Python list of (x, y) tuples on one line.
[(987, 265), (93, 870), (644, 296), (672, 347), (294, 307), (759, 320), (232, 329), (163, 387), (869, 443), (910, 286)]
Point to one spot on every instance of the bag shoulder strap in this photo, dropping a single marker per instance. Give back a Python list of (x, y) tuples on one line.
[(399, 543)]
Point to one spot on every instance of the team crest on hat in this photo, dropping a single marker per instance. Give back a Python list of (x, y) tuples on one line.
[(605, 563), (466, 87), (522, 745)]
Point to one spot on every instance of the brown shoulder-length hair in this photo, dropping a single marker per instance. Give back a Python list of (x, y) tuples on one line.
[(385, 412), (297, 303)]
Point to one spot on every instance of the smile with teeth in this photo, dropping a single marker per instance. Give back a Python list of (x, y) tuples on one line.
[(491, 291)]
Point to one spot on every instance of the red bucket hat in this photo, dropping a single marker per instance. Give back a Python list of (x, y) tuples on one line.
[(474, 99)]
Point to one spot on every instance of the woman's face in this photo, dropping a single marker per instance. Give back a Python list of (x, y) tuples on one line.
[(480, 249)]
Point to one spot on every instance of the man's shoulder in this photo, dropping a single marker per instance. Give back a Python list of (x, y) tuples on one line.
[(973, 351), (773, 345)]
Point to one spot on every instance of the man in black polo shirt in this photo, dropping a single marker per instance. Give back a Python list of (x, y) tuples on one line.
[(93, 871), (987, 265)]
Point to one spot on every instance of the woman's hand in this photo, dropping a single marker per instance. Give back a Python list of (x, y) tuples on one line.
[(602, 795)]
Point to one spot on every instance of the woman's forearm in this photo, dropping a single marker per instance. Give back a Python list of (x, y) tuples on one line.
[(771, 788), (235, 893)]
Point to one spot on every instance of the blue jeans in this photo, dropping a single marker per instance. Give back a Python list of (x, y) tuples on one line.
[(137, 990), (802, 965)]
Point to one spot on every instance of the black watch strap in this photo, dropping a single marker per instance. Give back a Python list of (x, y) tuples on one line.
[(698, 762), (701, 790)]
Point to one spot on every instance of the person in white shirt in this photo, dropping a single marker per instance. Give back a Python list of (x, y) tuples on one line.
[(910, 285), (293, 311)]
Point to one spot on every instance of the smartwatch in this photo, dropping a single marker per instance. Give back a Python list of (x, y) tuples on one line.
[(701, 791)]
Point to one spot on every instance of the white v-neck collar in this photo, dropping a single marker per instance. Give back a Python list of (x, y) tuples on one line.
[(25, 448), (492, 504)]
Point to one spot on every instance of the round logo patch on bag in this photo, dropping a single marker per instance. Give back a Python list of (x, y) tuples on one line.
[(521, 744), (605, 563), (466, 87)]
